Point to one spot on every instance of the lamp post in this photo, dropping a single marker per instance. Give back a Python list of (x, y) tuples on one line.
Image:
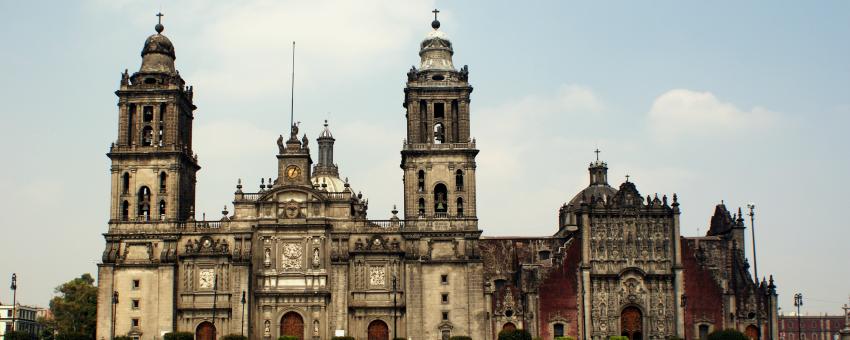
[(114, 307), (752, 215), (243, 313), (395, 334), (14, 298), (798, 301)]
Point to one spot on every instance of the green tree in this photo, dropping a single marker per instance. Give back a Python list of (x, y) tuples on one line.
[(75, 308), (727, 334), (516, 334), (178, 336)]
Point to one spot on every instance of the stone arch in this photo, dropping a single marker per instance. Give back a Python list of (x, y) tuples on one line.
[(751, 332)]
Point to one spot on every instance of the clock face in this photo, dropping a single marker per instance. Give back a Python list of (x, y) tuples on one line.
[(292, 172)]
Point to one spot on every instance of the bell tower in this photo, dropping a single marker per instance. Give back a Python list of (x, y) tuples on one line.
[(153, 166), (438, 157)]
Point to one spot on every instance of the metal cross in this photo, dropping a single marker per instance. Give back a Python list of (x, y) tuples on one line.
[(159, 18), (435, 11), (597, 153), (627, 178)]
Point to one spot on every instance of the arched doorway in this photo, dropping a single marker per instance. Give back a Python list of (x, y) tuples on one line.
[(292, 324), (751, 332), (378, 330), (508, 327), (631, 323), (205, 331)]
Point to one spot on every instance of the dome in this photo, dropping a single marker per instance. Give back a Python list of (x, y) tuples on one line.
[(158, 54), (334, 184), (604, 191), (436, 52)]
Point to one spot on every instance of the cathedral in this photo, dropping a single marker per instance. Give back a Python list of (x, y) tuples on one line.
[(300, 257)]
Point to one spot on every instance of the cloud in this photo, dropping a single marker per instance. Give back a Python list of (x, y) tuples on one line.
[(683, 112)]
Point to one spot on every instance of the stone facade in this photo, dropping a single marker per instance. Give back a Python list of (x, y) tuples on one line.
[(300, 256)]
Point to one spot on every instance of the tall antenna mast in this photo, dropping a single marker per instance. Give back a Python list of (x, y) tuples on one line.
[(292, 88)]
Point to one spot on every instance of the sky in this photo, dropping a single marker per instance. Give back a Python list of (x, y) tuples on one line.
[(715, 101)]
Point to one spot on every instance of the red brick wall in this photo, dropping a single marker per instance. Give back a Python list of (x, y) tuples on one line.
[(559, 294), (704, 295)]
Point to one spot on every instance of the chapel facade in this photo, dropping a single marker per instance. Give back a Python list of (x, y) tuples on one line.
[(300, 257)]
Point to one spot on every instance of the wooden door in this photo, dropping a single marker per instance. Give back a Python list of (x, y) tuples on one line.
[(509, 327), (205, 331), (292, 324), (752, 332), (378, 330), (631, 323)]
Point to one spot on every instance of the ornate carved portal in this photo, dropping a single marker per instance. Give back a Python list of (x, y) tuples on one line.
[(292, 324), (378, 330), (631, 323), (205, 331)]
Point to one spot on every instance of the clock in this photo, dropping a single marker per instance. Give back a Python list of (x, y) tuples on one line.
[(292, 172)]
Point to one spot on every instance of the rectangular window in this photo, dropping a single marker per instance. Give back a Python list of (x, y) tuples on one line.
[(147, 114), (136, 284), (135, 322), (445, 316), (135, 304), (444, 298), (444, 279)]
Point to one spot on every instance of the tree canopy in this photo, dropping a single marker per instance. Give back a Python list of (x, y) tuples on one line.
[(75, 308)]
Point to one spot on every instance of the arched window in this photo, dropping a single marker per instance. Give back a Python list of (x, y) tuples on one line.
[(147, 136), (460, 206), (440, 202), (162, 181), (147, 114), (459, 179), (420, 181), (439, 133), (421, 207), (423, 125), (125, 183), (144, 200), (162, 210), (125, 210), (558, 329)]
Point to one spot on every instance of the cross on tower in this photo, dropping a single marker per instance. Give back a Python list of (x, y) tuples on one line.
[(159, 18), (597, 153), (627, 178), (435, 11)]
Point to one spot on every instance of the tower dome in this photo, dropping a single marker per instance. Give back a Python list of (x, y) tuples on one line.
[(436, 50), (158, 53)]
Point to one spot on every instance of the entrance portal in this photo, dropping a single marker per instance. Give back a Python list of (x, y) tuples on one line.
[(205, 331), (378, 330), (292, 324), (631, 323)]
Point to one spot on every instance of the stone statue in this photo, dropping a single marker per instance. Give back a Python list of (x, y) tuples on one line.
[(280, 143)]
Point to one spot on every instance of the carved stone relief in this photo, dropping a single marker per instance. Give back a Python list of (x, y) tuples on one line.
[(292, 256)]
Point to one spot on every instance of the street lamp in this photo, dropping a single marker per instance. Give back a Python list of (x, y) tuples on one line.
[(14, 298), (752, 215), (798, 301), (395, 334), (243, 313), (114, 307)]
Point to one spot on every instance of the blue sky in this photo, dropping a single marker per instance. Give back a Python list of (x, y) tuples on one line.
[(742, 102)]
